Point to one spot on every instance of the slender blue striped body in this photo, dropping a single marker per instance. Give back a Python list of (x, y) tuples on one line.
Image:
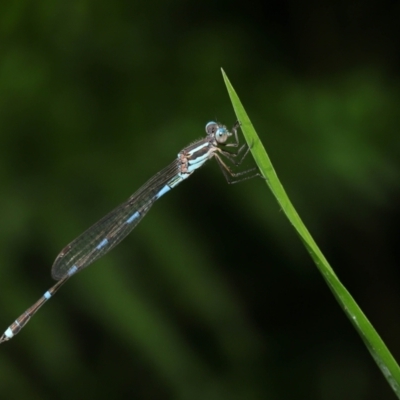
[(115, 226)]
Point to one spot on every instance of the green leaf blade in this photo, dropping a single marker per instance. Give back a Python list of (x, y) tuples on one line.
[(369, 335)]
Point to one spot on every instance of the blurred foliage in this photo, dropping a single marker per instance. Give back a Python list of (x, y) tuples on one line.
[(96, 97)]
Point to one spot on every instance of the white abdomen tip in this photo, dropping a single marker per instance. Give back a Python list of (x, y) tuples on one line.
[(9, 333)]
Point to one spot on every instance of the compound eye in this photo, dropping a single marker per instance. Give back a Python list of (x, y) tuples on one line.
[(221, 135), (211, 128)]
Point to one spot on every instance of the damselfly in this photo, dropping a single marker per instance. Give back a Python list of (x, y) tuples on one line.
[(115, 226)]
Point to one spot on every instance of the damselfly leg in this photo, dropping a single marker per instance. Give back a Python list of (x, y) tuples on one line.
[(232, 157)]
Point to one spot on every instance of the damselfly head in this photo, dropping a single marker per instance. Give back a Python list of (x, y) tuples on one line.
[(217, 130)]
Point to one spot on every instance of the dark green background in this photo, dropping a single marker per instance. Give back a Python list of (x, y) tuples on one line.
[(212, 297)]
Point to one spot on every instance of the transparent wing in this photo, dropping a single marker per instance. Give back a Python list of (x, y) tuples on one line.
[(105, 234)]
